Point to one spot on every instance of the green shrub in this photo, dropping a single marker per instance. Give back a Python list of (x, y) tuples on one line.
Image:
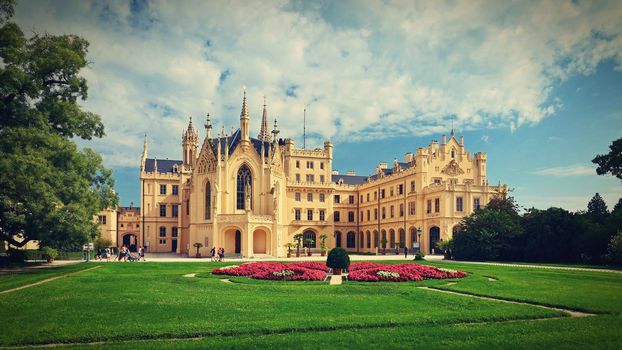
[(419, 256), (615, 249), (338, 259), (102, 243), (49, 253)]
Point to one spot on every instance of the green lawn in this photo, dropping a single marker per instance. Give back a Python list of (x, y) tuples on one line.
[(144, 305), (12, 280)]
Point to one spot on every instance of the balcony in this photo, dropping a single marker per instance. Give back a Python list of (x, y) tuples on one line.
[(309, 223)]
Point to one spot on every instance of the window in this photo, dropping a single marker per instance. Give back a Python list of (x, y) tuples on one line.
[(452, 153), (401, 210), (175, 190), (375, 239), (375, 195), (337, 198), (391, 192), (310, 178), (162, 231), (297, 196), (175, 210), (297, 177), (162, 189), (412, 186), (411, 208), (102, 219), (162, 241), (298, 164), (308, 235), (429, 209), (310, 197), (121, 225), (361, 216), (368, 240), (375, 213), (459, 204), (174, 232), (322, 179), (368, 197), (382, 193), (475, 204), (351, 199), (296, 214), (187, 207), (400, 189), (384, 212), (208, 201), (322, 215), (392, 211), (368, 215), (322, 165), (309, 165), (351, 240), (310, 214), (361, 199), (162, 209), (437, 205), (337, 216), (244, 187), (437, 180), (350, 216), (322, 197)]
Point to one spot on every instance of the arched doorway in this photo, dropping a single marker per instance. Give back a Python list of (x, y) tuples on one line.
[(391, 239), (435, 237), (309, 235), (384, 239), (260, 242), (233, 241), (130, 241), (338, 239), (350, 240), (402, 238), (368, 239)]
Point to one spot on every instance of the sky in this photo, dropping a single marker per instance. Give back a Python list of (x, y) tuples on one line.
[(536, 85)]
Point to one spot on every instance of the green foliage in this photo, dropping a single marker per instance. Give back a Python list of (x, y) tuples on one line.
[(49, 253), (338, 258), (289, 246), (617, 206), (551, 235), (446, 245), (323, 245), (419, 256), (597, 207), (614, 251), (489, 233), (102, 243), (610, 163), (54, 189)]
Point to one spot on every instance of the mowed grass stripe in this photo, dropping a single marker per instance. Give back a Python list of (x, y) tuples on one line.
[(47, 280), (142, 301), (21, 278)]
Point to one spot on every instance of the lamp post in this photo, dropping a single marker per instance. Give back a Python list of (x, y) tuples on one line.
[(419, 237)]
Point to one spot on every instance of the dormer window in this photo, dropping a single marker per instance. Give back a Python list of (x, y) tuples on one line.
[(175, 168)]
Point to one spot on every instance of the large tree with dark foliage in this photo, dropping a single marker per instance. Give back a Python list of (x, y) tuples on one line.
[(610, 163), (551, 235), (49, 188)]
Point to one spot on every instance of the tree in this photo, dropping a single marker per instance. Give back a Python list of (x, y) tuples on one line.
[(610, 163), (614, 251), (597, 208), (551, 235), (618, 206), (50, 190)]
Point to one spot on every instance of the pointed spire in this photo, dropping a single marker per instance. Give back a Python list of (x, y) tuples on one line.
[(208, 126), (143, 158), (244, 120), (263, 133), (244, 113)]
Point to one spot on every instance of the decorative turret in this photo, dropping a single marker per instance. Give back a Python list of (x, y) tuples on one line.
[(190, 143), (263, 132), (275, 132), (208, 127), (244, 119), (328, 148), (143, 158)]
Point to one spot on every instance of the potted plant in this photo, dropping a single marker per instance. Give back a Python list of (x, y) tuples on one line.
[(384, 245), (323, 245), (49, 254), (309, 242), (298, 238), (198, 246), (338, 260), (289, 249)]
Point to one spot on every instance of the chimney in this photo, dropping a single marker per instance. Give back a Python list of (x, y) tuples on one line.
[(351, 173)]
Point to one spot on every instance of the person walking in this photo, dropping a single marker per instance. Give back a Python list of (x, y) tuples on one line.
[(405, 252), (212, 254)]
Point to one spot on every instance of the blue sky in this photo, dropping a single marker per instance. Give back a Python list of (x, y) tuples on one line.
[(538, 85)]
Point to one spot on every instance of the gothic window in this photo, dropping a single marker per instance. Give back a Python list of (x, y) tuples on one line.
[(208, 201), (309, 235), (244, 184), (351, 240)]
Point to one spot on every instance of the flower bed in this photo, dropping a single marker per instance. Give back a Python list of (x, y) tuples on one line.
[(298, 271), (374, 272)]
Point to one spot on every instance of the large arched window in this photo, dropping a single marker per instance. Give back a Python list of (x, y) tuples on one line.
[(244, 184), (351, 240), (368, 239), (308, 235), (402, 238), (391, 238), (338, 239), (375, 239), (208, 201)]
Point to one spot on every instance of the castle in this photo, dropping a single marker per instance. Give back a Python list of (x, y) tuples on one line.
[(252, 195)]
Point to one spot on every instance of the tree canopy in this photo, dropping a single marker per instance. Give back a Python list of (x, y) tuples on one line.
[(610, 163), (50, 189)]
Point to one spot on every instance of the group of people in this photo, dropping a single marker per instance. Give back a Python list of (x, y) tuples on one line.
[(120, 254), (217, 255)]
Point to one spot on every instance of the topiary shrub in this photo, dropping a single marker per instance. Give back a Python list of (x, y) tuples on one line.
[(419, 256), (338, 259)]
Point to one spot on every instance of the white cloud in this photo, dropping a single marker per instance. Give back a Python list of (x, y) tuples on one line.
[(377, 70), (571, 170), (485, 138)]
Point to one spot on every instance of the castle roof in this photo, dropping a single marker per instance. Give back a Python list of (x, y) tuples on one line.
[(349, 179), (164, 165)]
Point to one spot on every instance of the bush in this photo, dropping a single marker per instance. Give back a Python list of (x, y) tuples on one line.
[(419, 256), (16, 255), (615, 249), (338, 259), (49, 253), (102, 243)]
